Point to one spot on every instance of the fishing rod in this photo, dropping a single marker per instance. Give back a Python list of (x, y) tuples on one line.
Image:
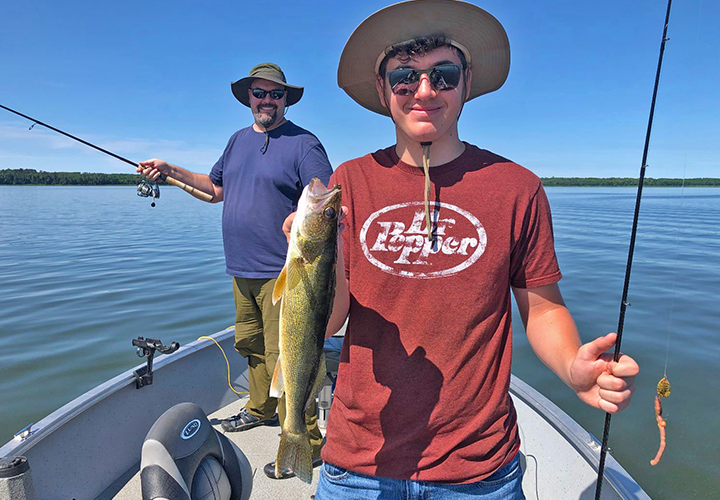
[(143, 189), (633, 234)]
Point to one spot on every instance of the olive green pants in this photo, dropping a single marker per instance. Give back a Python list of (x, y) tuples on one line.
[(257, 338)]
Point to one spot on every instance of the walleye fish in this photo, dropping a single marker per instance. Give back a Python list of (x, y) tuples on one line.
[(307, 287)]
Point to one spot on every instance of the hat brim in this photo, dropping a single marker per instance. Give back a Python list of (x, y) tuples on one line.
[(465, 23), (240, 89)]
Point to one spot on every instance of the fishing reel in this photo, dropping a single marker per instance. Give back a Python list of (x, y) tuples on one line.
[(147, 190)]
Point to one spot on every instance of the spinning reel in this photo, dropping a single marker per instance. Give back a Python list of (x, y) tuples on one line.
[(147, 190)]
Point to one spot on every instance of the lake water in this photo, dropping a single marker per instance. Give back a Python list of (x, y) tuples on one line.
[(84, 270)]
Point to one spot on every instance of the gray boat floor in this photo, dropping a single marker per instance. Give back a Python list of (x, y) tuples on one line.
[(259, 446), (552, 469)]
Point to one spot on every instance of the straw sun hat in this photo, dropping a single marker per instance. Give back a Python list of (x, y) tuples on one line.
[(474, 31)]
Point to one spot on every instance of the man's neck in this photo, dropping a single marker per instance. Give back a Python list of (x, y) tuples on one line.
[(442, 150), (261, 129)]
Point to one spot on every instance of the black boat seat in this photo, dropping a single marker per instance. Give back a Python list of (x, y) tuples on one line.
[(184, 458)]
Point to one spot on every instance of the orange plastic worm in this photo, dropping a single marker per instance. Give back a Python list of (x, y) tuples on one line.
[(661, 426)]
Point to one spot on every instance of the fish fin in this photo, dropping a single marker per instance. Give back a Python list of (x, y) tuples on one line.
[(319, 381), (295, 452), (277, 387), (294, 272), (279, 285)]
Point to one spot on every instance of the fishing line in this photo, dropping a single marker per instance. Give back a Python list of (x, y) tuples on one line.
[(193, 191), (674, 275), (677, 239), (228, 366), (633, 234)]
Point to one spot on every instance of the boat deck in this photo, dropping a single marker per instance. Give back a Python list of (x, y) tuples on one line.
[(542, 456)]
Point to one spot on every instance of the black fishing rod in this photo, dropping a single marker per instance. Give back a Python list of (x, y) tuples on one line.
[(624, 302), (195, 192)]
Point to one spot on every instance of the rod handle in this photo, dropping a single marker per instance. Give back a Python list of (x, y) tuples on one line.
[(193, 191)]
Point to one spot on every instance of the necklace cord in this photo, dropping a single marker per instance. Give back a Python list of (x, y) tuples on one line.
[(426, 169)]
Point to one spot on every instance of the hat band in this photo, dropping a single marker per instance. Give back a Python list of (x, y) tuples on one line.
[(272, 77), (452, 43)]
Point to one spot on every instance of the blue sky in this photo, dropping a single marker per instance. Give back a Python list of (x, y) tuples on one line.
[(151, 79)]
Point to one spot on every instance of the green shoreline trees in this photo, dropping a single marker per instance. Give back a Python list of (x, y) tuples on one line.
[(26, 176), (629, 182)]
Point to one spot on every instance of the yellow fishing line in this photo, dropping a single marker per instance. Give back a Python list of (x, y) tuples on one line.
[(228, 366)]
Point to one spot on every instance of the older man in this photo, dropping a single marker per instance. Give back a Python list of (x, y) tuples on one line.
[(260, 177)]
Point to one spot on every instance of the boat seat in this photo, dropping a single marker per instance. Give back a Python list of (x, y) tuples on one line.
[(184, 458)]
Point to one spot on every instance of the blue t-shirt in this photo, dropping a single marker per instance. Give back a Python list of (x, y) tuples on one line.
[(260, 191)]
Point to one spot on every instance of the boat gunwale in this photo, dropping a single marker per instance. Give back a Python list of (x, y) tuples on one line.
[(586, 444), (49, 424)]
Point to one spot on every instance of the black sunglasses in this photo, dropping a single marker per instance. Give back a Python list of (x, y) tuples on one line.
[(405, 81), (275, 95)]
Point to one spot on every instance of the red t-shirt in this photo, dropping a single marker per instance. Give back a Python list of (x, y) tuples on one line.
[(422, 389)]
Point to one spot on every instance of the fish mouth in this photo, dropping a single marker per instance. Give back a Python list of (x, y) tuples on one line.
[(317, 207), (319, 195)]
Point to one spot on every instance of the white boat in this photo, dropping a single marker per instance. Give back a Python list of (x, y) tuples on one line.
[(91, 447)]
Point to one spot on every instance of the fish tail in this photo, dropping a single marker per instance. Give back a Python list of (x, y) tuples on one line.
[(295, 452)]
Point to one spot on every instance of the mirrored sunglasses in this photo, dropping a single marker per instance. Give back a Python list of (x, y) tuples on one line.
[(275, 95), (405, 81)]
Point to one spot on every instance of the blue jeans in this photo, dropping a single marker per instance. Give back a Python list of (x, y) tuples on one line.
[(337, 483)]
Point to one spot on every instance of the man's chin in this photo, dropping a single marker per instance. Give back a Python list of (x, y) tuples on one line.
[(265, 119)]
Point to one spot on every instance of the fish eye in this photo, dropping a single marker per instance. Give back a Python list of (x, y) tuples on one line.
[(330, 213)]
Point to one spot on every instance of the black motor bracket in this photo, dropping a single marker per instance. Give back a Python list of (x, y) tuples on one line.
[(147, 348)]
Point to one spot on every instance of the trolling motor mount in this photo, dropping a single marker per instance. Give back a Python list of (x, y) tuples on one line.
[(147, 190), (147, 347)]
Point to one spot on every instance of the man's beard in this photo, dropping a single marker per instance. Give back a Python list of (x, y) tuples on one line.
[(265, 118)]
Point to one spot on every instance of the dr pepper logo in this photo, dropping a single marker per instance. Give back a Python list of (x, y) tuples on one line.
[(395, 240)]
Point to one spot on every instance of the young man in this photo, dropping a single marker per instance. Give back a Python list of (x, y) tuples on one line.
[(437, 234), (260, 177)]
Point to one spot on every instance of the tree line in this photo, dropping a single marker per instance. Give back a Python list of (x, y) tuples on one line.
[(629, 182), (27, 176)]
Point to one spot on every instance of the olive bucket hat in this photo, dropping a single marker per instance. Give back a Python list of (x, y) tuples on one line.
[(266, 71), (475, 32)]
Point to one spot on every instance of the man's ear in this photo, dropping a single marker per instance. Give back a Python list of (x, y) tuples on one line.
[(381, 92), (468, 82)]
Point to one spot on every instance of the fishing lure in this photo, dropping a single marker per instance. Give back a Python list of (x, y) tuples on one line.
[(663, 391)]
